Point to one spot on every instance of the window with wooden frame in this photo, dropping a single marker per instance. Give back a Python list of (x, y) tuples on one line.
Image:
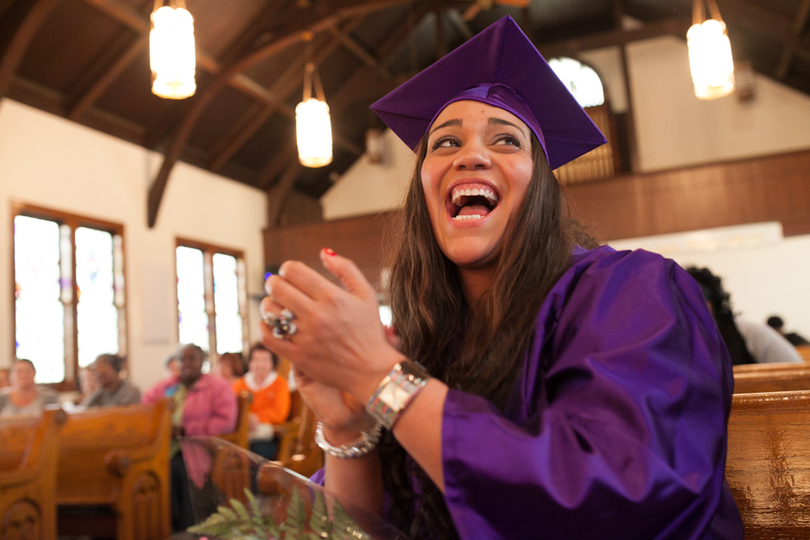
[(211, 297), (69, 284)]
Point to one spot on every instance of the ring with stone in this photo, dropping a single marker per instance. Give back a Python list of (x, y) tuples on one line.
[(283, 327), (270, 318)]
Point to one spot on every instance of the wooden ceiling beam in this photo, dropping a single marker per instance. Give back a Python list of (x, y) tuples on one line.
[(281, 161), (358, 51), (310, 21), (285, 84), (35, 95), (103, 80), (278, 194), (385, 52), (799, 25), (459, 24), (31, 15), (441, 43), (675, 26), (754, 17)]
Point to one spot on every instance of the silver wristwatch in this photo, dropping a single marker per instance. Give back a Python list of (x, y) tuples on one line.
[(396, 391)]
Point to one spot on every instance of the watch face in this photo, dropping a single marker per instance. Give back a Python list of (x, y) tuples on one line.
[(394, 396)]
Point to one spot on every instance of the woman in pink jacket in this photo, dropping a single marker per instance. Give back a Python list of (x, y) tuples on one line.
[(204, 405)]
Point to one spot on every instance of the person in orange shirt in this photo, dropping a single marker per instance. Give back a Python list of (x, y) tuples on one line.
[(271, 399)]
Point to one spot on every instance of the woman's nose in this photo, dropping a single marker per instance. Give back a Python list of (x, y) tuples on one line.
[(472, 156)]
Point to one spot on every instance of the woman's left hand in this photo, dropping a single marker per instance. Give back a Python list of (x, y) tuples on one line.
[(339, 339)]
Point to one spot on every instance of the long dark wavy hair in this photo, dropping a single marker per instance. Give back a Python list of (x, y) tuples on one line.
[(720, 302), (478, 349)]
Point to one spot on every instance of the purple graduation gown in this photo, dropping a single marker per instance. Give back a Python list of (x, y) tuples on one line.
[(616, 426)]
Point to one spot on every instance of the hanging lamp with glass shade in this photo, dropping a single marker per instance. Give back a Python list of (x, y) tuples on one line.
[(710, 58), (172, 55), (313, 126)]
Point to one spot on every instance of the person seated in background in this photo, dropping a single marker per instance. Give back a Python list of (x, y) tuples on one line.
[(795, 339), (747, 342), (88, 384), (4, 377), (114, 391), (23, 396), (203, 405), (173, 366), (271, 399), (230, 367)]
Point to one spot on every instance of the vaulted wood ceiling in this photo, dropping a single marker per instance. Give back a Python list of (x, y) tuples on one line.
[(88, 61)]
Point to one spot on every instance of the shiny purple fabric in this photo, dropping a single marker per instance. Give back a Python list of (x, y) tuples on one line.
[(616, 427)]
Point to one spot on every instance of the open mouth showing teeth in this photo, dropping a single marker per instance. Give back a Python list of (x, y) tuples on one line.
[(472, 202)]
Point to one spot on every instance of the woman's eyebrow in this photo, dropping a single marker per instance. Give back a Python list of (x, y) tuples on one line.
[(502, 122), (453, 122)]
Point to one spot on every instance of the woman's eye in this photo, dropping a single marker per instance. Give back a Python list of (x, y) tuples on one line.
[(445, 142), (508, 140)]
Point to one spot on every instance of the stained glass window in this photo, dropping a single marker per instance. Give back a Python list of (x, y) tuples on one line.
[(61, 266), (192, 315), (97, 314), (211, 298), (226, 303), (39, 312)]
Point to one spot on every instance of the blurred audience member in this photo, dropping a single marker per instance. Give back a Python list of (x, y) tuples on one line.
[(747, 342), (4, 377), (114, 391), (23, 396), (88, 384), (203, 405), (795, 339), (230, 367), (271, 399), (173, 366)]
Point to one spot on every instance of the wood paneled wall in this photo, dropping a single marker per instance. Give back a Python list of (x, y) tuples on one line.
[(771, 188)]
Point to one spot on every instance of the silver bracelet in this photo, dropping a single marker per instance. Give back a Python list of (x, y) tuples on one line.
[(357, 448)]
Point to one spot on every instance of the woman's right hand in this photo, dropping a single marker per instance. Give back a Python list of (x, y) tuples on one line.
[(342, 416)]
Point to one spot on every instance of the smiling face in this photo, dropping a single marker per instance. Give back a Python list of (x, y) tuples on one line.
[(191, 361), (22, 374), (261, 364), (475, 175)]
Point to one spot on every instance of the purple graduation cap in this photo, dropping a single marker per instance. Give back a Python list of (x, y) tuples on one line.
[(502, 68)]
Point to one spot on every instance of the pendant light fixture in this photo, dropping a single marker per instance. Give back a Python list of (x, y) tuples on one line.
[(313, 126), (172, 55), (709, 52)]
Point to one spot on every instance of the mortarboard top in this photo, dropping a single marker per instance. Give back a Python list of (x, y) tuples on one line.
[(501, 67)]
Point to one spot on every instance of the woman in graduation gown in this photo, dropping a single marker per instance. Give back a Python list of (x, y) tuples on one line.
[(539, 389)]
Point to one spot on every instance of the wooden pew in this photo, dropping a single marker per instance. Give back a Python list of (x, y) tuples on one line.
[(804, 352), (239, 436), (759, 368), (119, 457), (28, 460), (772, 380), (768, 463), (297, 449)]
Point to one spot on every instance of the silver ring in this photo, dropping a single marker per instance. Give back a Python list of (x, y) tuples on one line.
[(283, 326)]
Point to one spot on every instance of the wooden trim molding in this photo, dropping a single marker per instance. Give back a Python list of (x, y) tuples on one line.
[(770, 188)]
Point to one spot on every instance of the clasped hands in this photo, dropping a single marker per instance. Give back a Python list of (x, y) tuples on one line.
[(339, 350)]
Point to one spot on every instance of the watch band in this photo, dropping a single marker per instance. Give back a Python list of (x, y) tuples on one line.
[(396, 391)]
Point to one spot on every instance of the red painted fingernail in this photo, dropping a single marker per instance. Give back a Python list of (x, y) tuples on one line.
[(329, 252)]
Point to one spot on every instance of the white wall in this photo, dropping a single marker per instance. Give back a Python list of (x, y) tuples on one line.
[(371, 188), (764, 273), (675, 129), (50, 162)]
